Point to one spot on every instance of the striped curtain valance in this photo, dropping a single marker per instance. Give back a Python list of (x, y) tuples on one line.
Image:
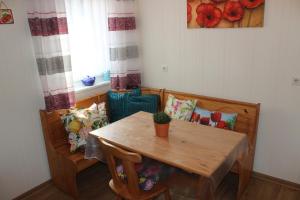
[(49, 30), (125, 62), (129, 81), (59, 101), (54, 65), (121, 23), (123, 53), (48, 26), (51, 46)]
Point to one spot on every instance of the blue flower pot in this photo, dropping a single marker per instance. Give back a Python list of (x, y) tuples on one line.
[(88, 81)]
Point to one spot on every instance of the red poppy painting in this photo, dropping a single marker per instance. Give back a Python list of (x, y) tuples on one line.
[(225, 13)]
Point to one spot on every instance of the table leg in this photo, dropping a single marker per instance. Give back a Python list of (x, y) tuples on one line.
[(205, 189), (244, 177)]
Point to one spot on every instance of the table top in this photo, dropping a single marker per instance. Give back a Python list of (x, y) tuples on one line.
[(203, 150)]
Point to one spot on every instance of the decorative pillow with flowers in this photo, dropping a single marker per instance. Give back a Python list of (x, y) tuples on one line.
[(79, 122), (149, 172), (214, 119), (180, 109)]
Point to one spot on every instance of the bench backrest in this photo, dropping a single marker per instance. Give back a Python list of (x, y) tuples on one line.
[(54, 132), (247, 120)]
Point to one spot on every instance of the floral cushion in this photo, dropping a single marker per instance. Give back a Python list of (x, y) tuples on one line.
[(213, 118), (79, 122), (149, 173), (180, 109)]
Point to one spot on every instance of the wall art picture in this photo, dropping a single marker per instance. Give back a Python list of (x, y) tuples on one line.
[(6, 15), (225, 13)]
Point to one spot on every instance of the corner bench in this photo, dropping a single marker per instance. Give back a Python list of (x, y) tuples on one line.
[(64, 166)]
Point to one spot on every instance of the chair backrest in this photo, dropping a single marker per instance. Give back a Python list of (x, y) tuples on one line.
[(128, 160)]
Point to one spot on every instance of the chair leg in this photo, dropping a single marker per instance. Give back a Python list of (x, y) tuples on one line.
[(167, 195)]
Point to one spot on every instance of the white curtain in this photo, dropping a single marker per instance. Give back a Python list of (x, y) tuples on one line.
[(123, 44), (48, 24), (87, 21), (104, 36)]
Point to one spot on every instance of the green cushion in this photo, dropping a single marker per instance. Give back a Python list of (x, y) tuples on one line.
[(124, 104), (147, 103)]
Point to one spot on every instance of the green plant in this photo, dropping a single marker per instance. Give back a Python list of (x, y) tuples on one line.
[(161, 118)]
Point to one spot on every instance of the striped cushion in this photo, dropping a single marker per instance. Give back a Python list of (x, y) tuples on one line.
[(124, 104)]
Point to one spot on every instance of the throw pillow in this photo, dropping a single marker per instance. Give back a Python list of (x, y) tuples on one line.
[(118, 104), (146, 103), (214, 118), (180, 109), (124, 104), (149, 172), (79, 122)]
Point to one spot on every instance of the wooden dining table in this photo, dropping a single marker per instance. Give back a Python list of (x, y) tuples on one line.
[(202, 150)]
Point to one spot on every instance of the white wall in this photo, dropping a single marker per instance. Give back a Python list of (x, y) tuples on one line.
[(23, 161), (255, 65)]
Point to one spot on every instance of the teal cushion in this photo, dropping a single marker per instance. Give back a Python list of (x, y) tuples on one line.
[(136, 92), (146, 103), (117, 105), (124, 104)]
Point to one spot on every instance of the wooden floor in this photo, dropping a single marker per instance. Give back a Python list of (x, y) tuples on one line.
[(93, 185)]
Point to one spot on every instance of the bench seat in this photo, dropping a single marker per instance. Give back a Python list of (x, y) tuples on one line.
[(77, 158)]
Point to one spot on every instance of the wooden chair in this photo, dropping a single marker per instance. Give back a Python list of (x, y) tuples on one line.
[(128, 190)]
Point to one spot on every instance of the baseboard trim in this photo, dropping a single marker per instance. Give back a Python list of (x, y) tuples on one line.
[(35, 189), (275, 180)]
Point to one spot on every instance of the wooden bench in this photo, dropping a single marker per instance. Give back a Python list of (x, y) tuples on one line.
[(64, 166), (247, 120)]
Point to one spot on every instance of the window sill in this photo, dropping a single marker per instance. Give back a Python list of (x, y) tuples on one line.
[(83, 92), (80, 87)]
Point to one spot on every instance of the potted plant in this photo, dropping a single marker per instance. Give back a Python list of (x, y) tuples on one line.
[(162, 124)]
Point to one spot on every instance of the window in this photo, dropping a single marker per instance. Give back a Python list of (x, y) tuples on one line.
[(87, 25)]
